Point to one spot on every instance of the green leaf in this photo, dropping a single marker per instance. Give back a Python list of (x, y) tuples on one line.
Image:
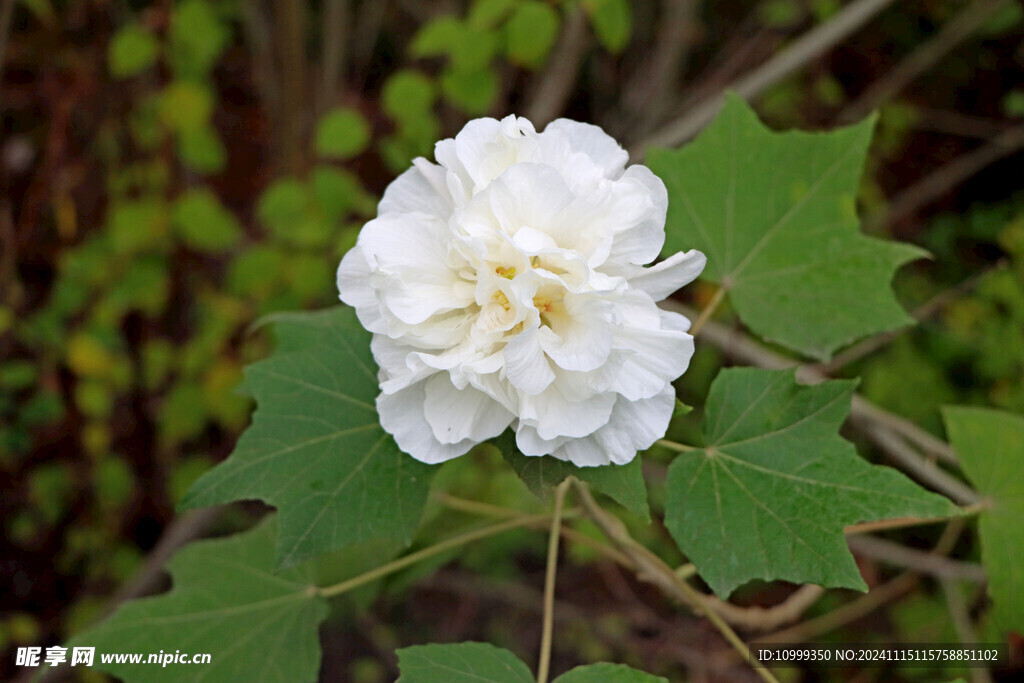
[(132, 50), (408, 94), (472, 91), (315, 449), (532, 30), (437, 37), (990, 447), (612, 21), (186, 106), (201, 150), (461, 663), (202, 222), (342, 134), (197, 38), (622, 483), (226, 601), (608, 673), (486, 14), (775, 213), (768, 495)]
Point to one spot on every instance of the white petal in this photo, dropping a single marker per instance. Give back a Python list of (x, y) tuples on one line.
[(643, 205), (401, 415), (527, 367), (663, 279), (455, 415), (585, 452), (590, 140), (655, 358), (530, 443), (408, 255), (636, 425), (582, 336), (553, 415), (355, 290), (422, 188)]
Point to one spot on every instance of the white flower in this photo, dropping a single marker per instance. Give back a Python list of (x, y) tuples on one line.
[(505, 286)]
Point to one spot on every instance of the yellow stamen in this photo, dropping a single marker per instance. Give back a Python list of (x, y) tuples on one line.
[(502, 300), (543, 303), (507, 273)]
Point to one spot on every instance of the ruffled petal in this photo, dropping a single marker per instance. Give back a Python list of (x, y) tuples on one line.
[(455, 415), (526, 366), (663, 279), (401, 415)]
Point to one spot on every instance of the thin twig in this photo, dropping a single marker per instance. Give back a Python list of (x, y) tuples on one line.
[(766, 618), (333, 50), (651, 568), (851, 611), (430, 551), (865, 604), (801, 52), (945, 178), (965, 630), (927, 563), (647, 94), (475, 507), (551, 573), (906, 522), (555, 86), (923, 58), (920, 314)]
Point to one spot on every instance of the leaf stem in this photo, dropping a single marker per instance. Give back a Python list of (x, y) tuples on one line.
[(903, 522), (708, 311), (430, 551), (476, 507), (676, 446), (549, 582)]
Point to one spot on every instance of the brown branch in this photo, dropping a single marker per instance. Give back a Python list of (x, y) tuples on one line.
[(865, 604), (922, 313), (555, 86), (333, 52), (766, 618), (652, 569), (965, 631), (918, 560), (945, 178), (801, 52), (953, 32), (647, 94)]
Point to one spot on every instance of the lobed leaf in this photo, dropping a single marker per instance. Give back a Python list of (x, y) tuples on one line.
[(990, 446), (315, 449), (775, 213), (461, 663), (227, 601), (769, 493)]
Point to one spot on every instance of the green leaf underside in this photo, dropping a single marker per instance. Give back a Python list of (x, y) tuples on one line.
[(769, 494), (315, 449), (775, 213), (608, 673), (990, 447), (461, 663), (227, 600), (622, 483)]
